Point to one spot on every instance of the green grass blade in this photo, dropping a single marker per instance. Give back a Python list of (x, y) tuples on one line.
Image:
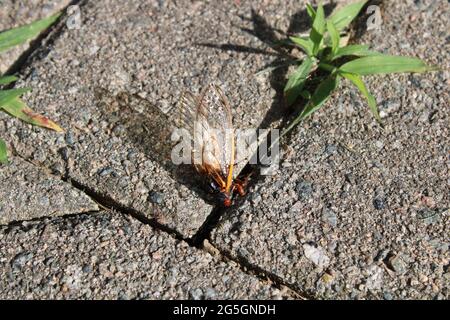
[(7, 79), (17, 108), (305, 94), (311, 12), (358, 50), (7, 95), (343, 17), (318, 28), (20, 35), (304, 43), (320, 96), (359, 83), (3, 152), (385, 64), (334, 35), (297, 80)]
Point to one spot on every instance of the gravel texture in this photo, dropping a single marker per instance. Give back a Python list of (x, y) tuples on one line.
[(27, 193), (18, 13), (109, 256), (114, 83), (359, 212)]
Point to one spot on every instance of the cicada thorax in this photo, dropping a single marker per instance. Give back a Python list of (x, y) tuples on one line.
[(213, 153)]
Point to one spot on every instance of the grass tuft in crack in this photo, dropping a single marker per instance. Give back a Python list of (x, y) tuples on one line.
[(327, 51), (10, 101)]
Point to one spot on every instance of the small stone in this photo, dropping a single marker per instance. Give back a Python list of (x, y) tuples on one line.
[(57, 169), (87, 268), (379, 203), (331, 149), (304, 189), (196, 294), (317, 255), (39, 156), (429, 216), (329, 217), (155, 197), (389, 106), (256, 198), (69, 138), (387, 296), (350, 178), (446, 276), (327, 278), (21, 259), (397, 264), (210, 293), (44, 201), (93, 49), (375, 279), (105, 171), (64, 152), (424, 279), (413, 282), (379, 144)]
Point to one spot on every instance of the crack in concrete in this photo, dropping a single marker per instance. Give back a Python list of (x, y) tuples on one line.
[(256, 271), (110, 204), (199, 240), (43, 218), (194, 241)]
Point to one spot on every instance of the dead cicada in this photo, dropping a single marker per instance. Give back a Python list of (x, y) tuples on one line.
[(208, 118)]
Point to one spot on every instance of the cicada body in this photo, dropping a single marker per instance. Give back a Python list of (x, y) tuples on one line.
[(209, 119)]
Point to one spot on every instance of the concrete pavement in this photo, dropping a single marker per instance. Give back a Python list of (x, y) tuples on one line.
[(355, 211)]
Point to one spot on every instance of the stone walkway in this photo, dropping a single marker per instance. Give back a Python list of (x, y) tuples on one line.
[(355, 211)]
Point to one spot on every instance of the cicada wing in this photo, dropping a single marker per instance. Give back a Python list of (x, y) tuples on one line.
[(203, 141), (214, 113), (209, 118), (187, 111)]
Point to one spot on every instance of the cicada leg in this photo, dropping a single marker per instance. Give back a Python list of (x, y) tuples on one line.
[(239, 188), (241, 184)]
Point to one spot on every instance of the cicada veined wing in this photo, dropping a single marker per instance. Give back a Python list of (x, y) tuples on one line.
[(209, 118)]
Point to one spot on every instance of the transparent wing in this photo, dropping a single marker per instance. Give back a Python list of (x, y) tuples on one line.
[(215, 118), (208, 117), (187, 111)]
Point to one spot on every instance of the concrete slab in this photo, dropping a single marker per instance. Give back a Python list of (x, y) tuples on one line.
[(27, 192), (86, 79), (109, 256), (357, 211), (19, 13)]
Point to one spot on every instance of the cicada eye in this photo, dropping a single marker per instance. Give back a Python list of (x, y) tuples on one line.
[(214, 187)]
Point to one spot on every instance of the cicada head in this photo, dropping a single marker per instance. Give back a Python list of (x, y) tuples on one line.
[(225, 199), (227, 202)]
